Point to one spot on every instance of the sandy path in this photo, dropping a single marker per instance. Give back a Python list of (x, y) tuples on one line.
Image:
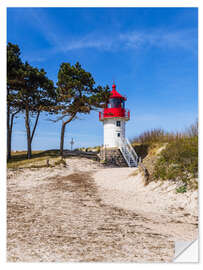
[(57, 215)]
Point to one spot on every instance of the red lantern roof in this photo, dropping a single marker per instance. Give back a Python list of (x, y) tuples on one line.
[(115, 94), (115, 108)]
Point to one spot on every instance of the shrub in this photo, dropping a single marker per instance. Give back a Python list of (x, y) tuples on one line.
[(178, 161), (157, 136), (181, 189)]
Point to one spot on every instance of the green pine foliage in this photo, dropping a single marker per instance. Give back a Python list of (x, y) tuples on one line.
[(77, 94)]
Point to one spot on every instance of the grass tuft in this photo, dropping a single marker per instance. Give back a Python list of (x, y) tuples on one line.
[(170, 156), (38, 160)]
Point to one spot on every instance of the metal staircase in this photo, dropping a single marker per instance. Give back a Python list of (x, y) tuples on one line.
[(128, 153)]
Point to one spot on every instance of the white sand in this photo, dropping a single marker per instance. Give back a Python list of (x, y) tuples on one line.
[(86, 212), (30, 177), (175, 213)]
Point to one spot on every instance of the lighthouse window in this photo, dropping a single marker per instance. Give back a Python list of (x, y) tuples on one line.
[(118, 134), (115, 103), (118, 123)]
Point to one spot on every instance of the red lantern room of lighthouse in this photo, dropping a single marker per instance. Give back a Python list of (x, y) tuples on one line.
[(114, 117)]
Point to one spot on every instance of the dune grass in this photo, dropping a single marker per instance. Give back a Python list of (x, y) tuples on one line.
[(48, 158), (159, 135), (178, 159), (39, 159)]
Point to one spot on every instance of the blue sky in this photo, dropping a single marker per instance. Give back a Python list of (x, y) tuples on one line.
[(151, 53)]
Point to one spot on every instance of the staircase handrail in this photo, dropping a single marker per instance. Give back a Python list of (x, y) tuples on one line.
[(128, 152), (133, 150), (121, 146)]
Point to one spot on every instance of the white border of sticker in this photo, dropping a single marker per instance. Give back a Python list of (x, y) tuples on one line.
[(80, 3)]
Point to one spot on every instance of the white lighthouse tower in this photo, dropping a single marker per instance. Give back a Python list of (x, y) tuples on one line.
[(114, 117)]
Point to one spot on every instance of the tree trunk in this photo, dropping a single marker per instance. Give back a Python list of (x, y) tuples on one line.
[(10, 119), (29, 135), (62, 138), (35, 125), (63, 132), (8, 134), (27, 125)]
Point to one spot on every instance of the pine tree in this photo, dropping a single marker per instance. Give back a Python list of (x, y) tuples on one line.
[(37, 94), (76, 94), (14, 66)]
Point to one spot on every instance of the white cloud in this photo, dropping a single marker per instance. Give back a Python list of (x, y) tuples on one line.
[(133, 40), (136, 40), (86, 42), (161, 38), (185, 39)]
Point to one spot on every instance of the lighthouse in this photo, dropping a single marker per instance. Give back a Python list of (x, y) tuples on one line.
[(114, 116)]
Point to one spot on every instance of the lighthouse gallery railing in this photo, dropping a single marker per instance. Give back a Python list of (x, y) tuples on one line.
[(103, 115), (128, 152)]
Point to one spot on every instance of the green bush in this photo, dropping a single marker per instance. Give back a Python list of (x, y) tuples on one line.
[(181, 189), (178, 161)]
